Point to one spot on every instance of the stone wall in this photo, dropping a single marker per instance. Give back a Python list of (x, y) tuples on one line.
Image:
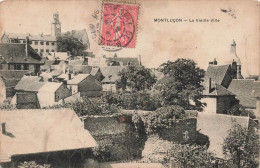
[(118, 135)]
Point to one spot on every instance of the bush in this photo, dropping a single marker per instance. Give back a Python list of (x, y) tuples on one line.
[(33, 164), (163, 117)]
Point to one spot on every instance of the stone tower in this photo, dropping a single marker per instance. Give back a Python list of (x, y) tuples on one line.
[(236, 64), (56, 25)]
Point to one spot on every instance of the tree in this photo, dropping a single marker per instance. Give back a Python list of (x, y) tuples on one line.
[(67, 43), (163, 117), (242, 146), (191, 156), (181, 84), (32, 164), (136, 78)]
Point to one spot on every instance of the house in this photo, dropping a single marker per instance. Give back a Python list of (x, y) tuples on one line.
[(96, 72), (86, 84), (216, 127), (217, 98), (33, 92), (110, 74), (52, 93), (246, 91), (26, 92), (123, 61), (8, 81), (56, 137), (59, 56), (42, 44), (81, 35), (19, 57)]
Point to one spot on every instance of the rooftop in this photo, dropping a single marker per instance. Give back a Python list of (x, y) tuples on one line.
[(31, 37), (77, 79), (38, 131), (16, 53), (217, 73), (29, 84), (246, 91)]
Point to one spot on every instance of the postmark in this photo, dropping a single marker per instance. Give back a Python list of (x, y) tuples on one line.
[(119, 25)]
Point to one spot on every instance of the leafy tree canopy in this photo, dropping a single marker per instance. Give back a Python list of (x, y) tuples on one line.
[(67, 43), (242, 146), (136, 78), (181, 84)]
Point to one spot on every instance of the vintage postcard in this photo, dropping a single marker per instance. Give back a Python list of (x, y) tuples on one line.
[(129, 83)]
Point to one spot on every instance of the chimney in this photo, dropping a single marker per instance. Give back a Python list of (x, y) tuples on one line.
[(26, 45), (215, 62), (239, 75), (69, 76), (210, 87), (3, 128), (139, 59)]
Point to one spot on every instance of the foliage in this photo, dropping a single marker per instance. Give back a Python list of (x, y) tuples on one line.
[(67, 43), (190, 156), (33, 164), (176, 155), (242, 146), (102, 152), (239, 110), (163, 117), (181, 83), (90, 106), (6, 105), (255, 77), (135, 78)]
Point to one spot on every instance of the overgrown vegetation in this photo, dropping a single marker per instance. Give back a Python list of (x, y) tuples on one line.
[(242, 147), (33, 164)]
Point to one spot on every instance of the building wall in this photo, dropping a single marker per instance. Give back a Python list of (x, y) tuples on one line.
[(89, 84), (227, 79), (2, 90), (109, 87), (5, 39), (118, 134), (211, 105), (44, 49), (26, 100), (258, 107), (223, 104), (62, 93)]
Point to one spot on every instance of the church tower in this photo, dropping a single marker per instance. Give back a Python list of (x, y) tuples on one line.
[(236, 64), (56, 25)]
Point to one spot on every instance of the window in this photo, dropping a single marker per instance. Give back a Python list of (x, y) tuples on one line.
[(25, 67), (17, 67), (36, 50), (23, 41), (52, 50), (52, 43), (47, 43), (36, 42), (42, 50), (47, 50), (42, 42)]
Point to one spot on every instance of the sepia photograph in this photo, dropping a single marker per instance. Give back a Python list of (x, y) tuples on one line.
[(129, 83)]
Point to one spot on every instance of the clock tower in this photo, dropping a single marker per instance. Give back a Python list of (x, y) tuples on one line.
[(56, 25)]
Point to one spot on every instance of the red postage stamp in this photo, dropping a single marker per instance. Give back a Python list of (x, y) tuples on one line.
[(119, 25)]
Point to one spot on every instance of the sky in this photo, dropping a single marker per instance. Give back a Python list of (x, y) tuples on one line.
[(156, 42)]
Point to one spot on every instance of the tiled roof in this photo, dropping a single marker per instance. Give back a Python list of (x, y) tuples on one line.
[(50, 87), (12, 77), (31, 37), (78, 34), (15, 53), (94, 71), (29, 132), (29, 84), (217, 73), (77, 79), (216, 127), (246, 91), (216, 90), (110, 73), (47, 64), (124, 61), (85, 69)]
